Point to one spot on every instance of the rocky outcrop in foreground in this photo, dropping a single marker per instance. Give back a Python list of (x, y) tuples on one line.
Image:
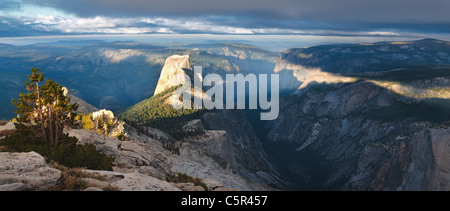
[(133, 181), (26, 171), (30, 172), (141, 164), (209, 156)]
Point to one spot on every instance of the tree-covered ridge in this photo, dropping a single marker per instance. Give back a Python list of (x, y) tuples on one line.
[(156, 112)]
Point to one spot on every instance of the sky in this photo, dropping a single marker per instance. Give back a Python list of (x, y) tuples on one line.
[(389, 19)]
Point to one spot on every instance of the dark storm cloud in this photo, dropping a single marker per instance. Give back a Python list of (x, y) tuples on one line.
[(321, 17), (9, 5), (378, 11), (10, 27)]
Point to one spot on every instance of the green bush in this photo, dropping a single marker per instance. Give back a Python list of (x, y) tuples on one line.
[(86, 122), (103, 125), (67, 153)]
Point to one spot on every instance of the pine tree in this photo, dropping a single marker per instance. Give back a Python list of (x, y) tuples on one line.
[(44, 105), (29, 105)]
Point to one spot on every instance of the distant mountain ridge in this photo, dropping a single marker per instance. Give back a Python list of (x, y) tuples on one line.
[(119, 74), (366, 57), (299, 64)]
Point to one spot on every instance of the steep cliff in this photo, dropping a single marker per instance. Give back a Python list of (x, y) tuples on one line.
[(349, 129), (364, 133), (171, 74), (228, 145), (245, 155)]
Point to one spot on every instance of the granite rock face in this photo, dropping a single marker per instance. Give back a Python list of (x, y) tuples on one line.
[(228, 152), (133, 181), (173, 72), (140, 182), (26, 171), (380, 130), (141, 164), (368, 137), (242, 150), (208, 156)]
